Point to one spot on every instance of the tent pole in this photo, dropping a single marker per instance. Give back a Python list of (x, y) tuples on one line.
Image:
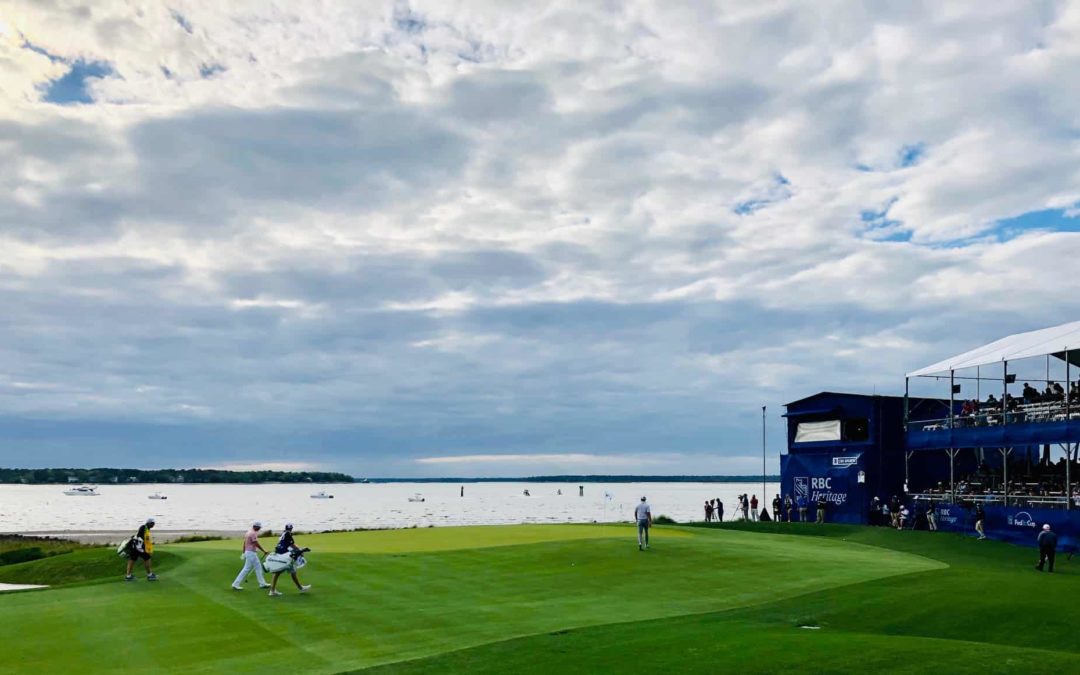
[(1005, 471), (952, 390), (1004, 392), (978, 383), (1068, 423), (952, 476)]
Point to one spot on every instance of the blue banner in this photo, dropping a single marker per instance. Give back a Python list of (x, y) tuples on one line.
[(837, 479), (1013, 524)]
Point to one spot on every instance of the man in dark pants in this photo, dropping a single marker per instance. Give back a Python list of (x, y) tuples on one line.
[(777, 513), (1047, 548)]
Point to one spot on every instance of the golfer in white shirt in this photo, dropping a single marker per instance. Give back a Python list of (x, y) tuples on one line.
[(643, 516), (251, 559)]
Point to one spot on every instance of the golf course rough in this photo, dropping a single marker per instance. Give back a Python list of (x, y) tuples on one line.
[(486, 598)]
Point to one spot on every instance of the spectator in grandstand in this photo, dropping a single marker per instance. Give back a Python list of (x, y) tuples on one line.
[(992, 403), (1059, 392), (776, 509), (821, 504), (801, 502), (1047, 548), (1031, 394), (980, 517), (753, 508)]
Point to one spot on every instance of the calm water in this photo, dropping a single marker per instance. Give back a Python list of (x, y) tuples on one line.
[(35, 508)]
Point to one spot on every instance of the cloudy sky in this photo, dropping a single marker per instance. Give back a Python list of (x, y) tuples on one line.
[(509, 238)]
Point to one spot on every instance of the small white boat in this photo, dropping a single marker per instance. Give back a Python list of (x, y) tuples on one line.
[(157, 495), (321, 495), (417, 498), (82, 491)]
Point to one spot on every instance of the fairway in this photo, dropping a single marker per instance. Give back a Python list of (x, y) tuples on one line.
[(561, 598)]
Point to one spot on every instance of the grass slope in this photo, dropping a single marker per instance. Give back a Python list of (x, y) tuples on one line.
[(986, 612), (383, 598)]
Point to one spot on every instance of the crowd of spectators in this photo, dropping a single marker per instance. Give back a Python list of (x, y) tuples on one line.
[(1051, 404), (1042, 483)]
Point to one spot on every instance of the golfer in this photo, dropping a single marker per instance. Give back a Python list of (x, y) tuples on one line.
[(643, 516), (287, 545), (1047, 548), (141, 547), (251, 559)]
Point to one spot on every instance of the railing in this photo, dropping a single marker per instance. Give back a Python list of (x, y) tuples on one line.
[(1020, 500), (1029, 413)]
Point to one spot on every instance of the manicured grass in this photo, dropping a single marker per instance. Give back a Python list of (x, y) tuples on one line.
[(987, 612), (454, 538), (384, 597)]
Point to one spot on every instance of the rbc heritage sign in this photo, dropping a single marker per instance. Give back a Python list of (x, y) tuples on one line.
[(829, 478)]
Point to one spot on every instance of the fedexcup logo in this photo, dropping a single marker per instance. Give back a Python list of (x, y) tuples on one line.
[(1022, 519), (845, 461), (802, 487)]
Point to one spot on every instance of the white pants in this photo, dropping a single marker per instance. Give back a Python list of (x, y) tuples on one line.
[(251, 562)]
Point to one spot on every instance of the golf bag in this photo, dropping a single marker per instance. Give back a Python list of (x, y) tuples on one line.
[(285, 562), (124, 549)]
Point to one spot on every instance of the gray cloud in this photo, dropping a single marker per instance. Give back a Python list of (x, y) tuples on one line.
[(375, 235)]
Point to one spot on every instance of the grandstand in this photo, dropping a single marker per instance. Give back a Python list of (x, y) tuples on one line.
[(983, 439)]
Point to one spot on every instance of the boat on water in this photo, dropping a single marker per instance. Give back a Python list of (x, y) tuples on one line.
[(82, 491), (321, 495), (157, 495), (417, 498)]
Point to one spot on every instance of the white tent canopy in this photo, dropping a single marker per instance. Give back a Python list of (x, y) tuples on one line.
[(1046, 342)]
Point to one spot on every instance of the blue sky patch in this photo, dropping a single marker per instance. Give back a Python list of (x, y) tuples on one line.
[(71, 88), (911, 154), (41, 50), (208, 70), (1053, 220), (777, 192), (182, 21)]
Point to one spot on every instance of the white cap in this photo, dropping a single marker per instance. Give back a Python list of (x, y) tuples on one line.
[(288, 526), (256, 524), (1046, 527), (149, 521)]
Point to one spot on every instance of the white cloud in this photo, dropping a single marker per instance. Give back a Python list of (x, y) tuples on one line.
[(434, 227)]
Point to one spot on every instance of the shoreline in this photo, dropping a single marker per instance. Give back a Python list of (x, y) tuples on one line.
[(99, 537)]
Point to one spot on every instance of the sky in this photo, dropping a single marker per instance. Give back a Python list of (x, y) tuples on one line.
[(499, 238)]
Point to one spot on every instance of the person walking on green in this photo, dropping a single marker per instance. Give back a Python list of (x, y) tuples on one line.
[(251, 559), (980, 518), (643, 516), (1047, 548), (141, 547)]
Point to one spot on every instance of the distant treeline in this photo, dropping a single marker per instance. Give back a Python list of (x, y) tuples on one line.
[(36, 476), (586, 479)]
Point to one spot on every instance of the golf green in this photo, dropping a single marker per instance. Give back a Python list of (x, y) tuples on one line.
[(573, 598)]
